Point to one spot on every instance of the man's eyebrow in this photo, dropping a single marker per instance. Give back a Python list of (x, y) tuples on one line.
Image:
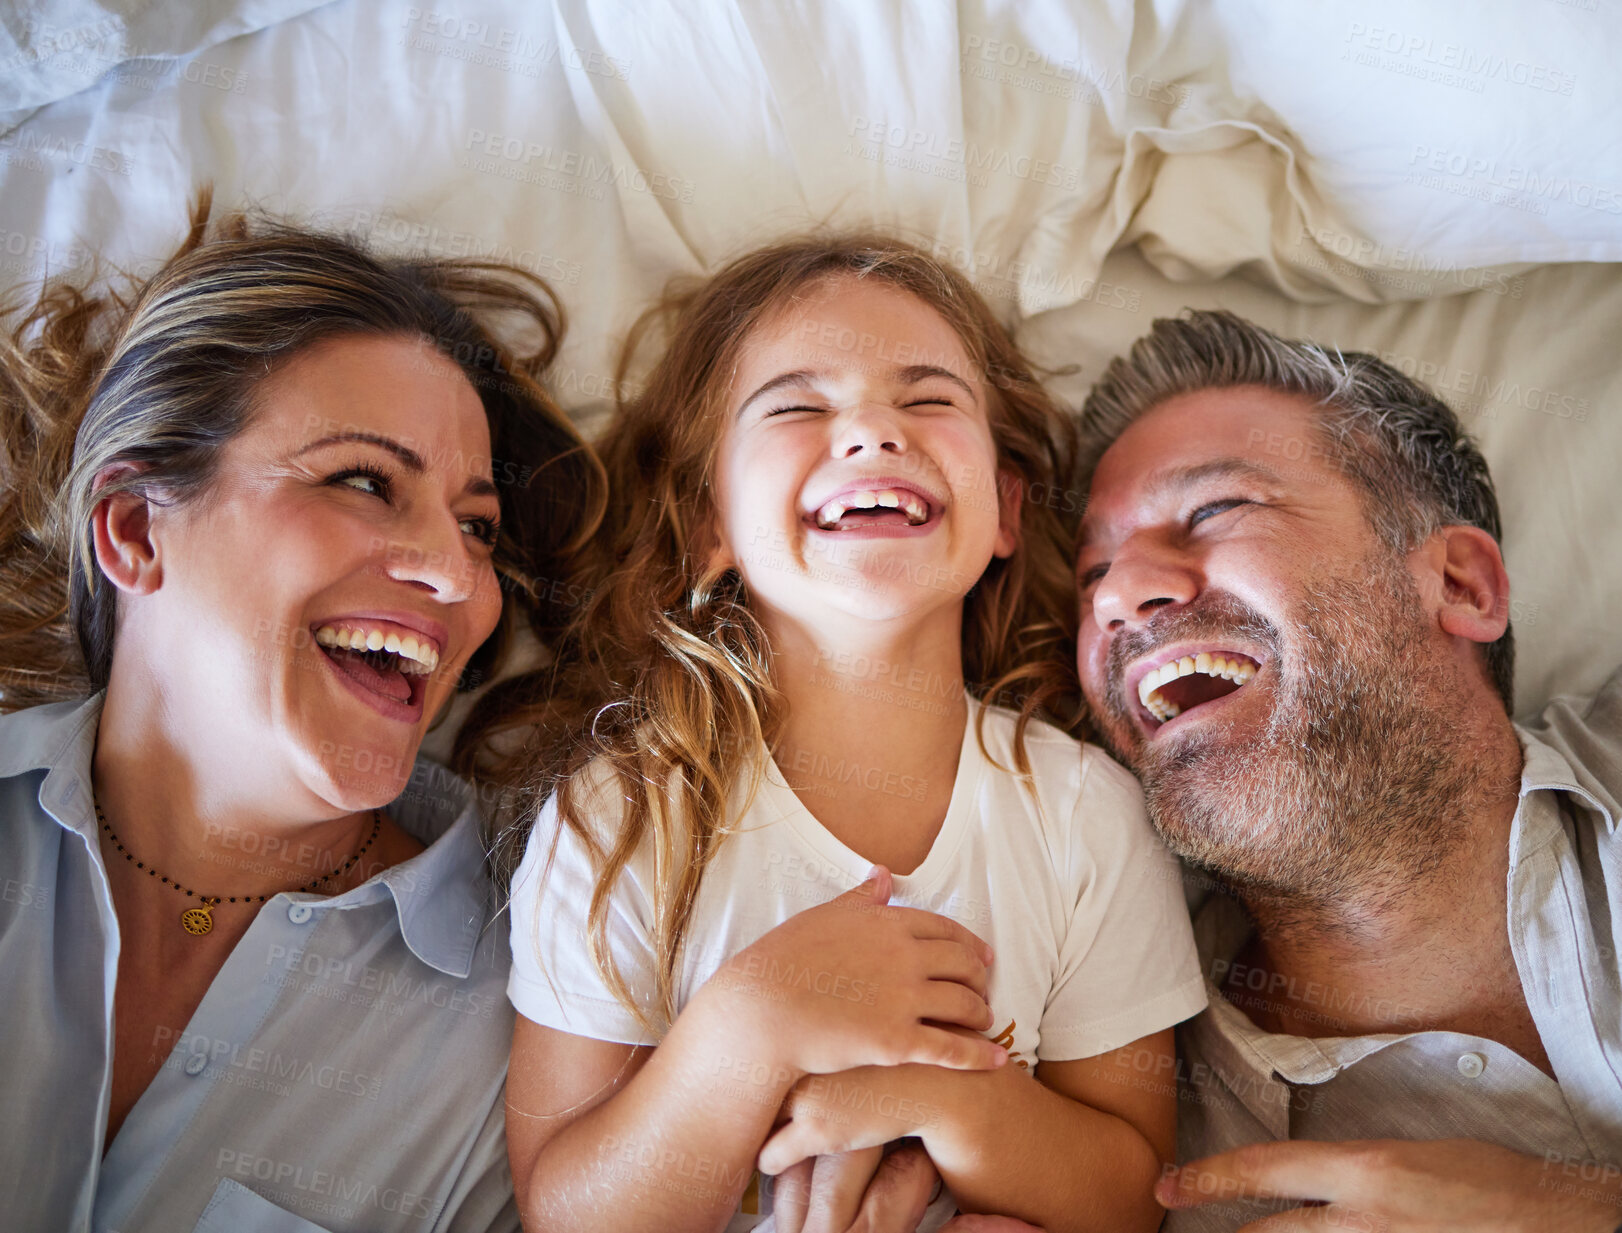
[(409, 458), (1159, 484)]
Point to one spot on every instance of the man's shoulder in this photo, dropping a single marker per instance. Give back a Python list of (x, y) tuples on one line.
[(1587, 733)]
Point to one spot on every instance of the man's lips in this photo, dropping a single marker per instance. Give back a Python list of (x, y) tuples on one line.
[(1179, 678)]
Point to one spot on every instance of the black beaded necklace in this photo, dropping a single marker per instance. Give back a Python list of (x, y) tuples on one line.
[(200, 920)]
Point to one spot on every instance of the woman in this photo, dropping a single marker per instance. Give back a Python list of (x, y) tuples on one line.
[(252, 525)]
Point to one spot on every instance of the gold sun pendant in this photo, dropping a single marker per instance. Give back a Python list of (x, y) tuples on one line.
[(198, 921)]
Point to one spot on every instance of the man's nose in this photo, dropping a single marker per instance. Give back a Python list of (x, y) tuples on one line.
[(1143, 578), (870, 428)]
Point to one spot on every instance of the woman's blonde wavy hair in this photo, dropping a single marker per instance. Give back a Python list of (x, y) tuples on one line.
[(164, 374), (665, 678)]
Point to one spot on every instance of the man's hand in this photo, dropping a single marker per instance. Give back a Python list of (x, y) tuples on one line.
[(814, 1197), (1397, 1186)]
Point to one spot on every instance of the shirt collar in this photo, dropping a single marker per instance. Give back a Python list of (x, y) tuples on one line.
[(1547, 767), (1252, 1061), (443, 895)]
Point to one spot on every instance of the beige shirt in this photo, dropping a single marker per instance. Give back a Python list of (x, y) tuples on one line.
[(1239, 1084)]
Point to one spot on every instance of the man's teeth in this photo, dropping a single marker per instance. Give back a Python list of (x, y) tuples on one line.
[(1237, 670), (908, 503), (416, 658)]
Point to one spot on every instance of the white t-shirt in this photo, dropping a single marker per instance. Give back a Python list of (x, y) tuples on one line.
[(1063, 875)]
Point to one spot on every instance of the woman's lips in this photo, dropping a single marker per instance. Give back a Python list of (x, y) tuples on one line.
[(391, 694)]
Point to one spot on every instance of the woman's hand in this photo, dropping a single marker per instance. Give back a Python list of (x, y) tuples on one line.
[(857, 982)]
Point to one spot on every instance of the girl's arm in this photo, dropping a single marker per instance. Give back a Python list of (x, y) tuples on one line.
[(1078, 1149), (607, 1137)]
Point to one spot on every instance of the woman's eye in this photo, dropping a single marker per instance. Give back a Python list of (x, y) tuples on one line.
[(1212, 508), (485, 529), (372, 482)]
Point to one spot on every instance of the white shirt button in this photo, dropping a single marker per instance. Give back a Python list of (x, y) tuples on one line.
[(300, 913), (1472, 1064), (197, 1063)]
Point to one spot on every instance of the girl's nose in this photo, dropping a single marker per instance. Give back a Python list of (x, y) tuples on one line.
[(869, 428)]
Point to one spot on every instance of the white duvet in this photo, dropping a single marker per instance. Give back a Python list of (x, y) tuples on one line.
[(1442, 186)]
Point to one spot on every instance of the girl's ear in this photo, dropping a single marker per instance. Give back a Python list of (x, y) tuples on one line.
[(127, 551), (711, 546), (1010, 499)]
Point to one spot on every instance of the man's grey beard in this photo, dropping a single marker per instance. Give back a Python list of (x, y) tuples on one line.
[(1355, 788)]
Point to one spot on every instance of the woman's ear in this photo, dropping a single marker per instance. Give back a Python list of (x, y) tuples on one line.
[(122, 533), (1474, 600), (1010, 500)]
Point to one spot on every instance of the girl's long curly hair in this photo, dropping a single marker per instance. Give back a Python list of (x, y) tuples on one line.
[(665, 687)]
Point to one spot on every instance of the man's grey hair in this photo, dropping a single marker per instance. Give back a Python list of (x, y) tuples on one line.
[(1414, 465)]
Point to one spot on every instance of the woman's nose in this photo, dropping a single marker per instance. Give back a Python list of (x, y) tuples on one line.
[(435, 555)]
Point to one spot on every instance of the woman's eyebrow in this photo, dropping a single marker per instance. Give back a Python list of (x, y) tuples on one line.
[(409, 458)]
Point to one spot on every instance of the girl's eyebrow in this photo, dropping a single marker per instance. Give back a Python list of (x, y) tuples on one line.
[(910, 375), (800, 376)]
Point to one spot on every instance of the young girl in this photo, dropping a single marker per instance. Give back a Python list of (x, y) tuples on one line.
[(837, 543)]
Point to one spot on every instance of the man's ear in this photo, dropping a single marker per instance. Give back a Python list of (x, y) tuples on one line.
[(1010, 501), (1474, 597), (122, 534)]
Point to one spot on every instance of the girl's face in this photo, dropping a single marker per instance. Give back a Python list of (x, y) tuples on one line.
[(358, 503), (857, 475)]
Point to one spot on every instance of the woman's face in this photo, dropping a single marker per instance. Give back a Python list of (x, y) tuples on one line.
[(356, 507)]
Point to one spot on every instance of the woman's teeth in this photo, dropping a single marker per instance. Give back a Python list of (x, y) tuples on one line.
[(916, 510), (1235, 669), (416, 658)]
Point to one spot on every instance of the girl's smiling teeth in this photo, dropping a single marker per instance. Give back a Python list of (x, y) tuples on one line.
[(1232, 667), (913, 508)]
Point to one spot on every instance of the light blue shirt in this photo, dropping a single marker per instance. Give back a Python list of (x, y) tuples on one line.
[(1239, 1084), (344, 1071)]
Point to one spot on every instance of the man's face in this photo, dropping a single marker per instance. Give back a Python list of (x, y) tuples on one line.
[(1220, 540)]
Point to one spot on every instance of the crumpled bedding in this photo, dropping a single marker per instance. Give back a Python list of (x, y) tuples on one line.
[(1441, 188)]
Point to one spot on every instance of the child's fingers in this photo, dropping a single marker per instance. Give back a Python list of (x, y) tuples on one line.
[(877, 889), (946, 1001), (938, 1047), (950, 961), (789, 1146), (941, 928)]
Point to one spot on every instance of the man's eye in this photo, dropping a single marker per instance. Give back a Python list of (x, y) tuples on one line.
[(1212, 508)]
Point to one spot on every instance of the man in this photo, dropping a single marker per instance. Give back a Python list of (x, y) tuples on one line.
[(1416, 902)]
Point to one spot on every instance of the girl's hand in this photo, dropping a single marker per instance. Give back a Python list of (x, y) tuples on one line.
[(831, 1116), (856, 982)]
